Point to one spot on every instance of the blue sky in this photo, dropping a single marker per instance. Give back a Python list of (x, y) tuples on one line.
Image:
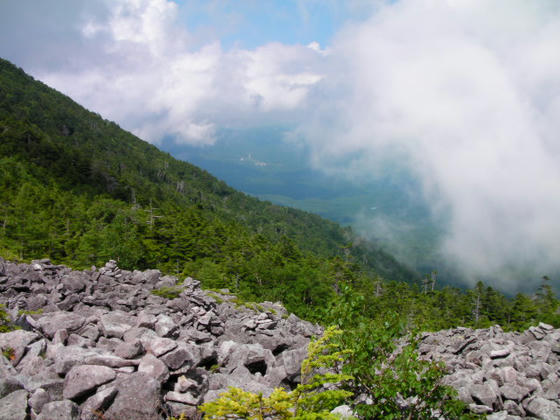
[(249, 24)]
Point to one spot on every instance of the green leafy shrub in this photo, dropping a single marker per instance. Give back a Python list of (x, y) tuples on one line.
[(4, 320), (9, 353), (398, 383), (309, 400)]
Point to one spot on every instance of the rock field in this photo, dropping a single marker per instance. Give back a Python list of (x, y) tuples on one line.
[(100, 341), (513, 375)]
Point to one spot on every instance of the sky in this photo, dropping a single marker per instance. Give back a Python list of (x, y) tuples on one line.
[(463, 93)]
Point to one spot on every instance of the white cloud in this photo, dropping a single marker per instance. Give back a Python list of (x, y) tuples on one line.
[(149, 77), (465, 93)]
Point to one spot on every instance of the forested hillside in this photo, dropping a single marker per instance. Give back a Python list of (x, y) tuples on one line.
[(50, 141), (79, 190)]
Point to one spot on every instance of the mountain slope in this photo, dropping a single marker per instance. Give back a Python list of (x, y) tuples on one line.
[(84, 153)]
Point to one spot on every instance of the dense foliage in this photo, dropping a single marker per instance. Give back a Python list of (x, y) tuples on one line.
[(308, 401), (62, 147)]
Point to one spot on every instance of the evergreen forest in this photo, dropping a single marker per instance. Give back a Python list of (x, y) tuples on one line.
[(79, 190)]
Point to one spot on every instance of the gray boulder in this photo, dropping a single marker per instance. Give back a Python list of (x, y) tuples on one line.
[(98, 403), (82, 380), (60, 410), (153, 367), (14, 406), (68, 321), (543, 409), (138, 398), (15, 342)]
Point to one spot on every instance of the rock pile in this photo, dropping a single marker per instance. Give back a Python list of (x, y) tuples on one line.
[(504, 375), (99, 341)]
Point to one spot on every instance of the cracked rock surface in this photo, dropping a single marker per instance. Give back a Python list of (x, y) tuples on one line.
[(505, 375), (99, 341)]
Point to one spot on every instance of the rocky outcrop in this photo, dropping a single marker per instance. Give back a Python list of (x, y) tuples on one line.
[(505, 375), (99, 341)]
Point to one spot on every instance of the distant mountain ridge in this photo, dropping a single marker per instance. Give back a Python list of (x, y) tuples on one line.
[(55, 151)]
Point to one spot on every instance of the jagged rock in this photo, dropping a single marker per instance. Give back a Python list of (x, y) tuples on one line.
[(183, 398), (9, 384), (513, 409), (513, 392), (147, 278), (15, 343), (98, 403), (153, 367), (292, 362), (164, 356), (68, 321), (32, 362), (480, 409), (166, 327), (74, 282), (38, 399), (344, 411), (501, 415), (81, 380), (499, 353), (543, 409), (185, 384), (138, 397), (146, 320), (181, 355), (158, 346), (115, 324), (60, 410), (14, 405), (129, 350)]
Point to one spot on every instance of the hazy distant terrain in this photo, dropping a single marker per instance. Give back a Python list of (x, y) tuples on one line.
[(388, 209)]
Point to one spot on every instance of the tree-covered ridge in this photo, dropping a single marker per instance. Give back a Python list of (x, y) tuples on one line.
[(79, 190), (80, 151)]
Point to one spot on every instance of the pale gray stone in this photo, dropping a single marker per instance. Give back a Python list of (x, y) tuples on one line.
[(14, 405), (543, 409), (68, 321), (98, 403), (184, 398), (116, 323), (38, 399), (153, 367), (166, 327), (158, 346), (483, 394), (514, 392), (129, 350), (9, 384), (176, 358), (82, 380), (344, 411), (60, 410), (16, 343), (138, 398)]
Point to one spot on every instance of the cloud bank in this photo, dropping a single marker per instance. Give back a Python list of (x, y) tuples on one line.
[(464, 94), (134, 62)]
